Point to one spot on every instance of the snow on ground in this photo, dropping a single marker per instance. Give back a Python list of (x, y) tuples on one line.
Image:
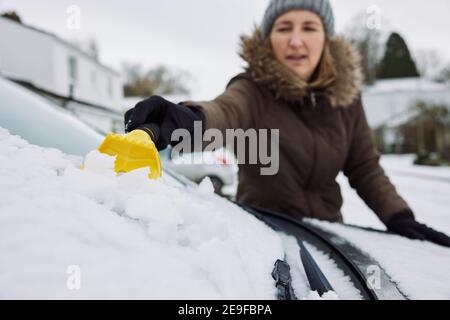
[(63, 228), (425, 189)]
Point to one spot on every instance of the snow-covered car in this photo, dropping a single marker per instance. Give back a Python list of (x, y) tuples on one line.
[(72, 233), (69, 231)]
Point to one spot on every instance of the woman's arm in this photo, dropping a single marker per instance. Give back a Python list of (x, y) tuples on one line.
[(236, 108), (233, 109), (364, 172), (368, 178)]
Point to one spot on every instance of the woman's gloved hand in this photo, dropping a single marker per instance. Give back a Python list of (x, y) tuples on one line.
[(405, 225), (159, 115)]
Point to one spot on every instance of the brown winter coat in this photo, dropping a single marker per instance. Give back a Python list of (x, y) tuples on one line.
[(318, 138)]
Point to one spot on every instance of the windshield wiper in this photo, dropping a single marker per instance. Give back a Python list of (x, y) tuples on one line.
[(283, 281), (281, 273), (317, 280), (351, 260)]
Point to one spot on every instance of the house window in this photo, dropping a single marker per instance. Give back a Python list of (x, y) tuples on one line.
[(73, 69)]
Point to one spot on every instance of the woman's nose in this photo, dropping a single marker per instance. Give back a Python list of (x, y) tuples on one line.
[(296, 40)]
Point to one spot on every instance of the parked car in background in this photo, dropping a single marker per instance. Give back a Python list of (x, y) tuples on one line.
[(219, 166)]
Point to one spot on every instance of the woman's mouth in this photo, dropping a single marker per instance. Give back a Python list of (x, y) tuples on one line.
[(297, 58)]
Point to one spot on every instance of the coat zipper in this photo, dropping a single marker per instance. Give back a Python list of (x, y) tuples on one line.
[(315, 151), (313, 99)]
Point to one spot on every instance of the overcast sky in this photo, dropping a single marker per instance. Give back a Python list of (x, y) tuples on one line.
[(201, 36)]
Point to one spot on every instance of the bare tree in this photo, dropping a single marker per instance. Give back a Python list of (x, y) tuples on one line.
[(131, 71), (368, 41), (158, 80), (444, 74), (429, 62)]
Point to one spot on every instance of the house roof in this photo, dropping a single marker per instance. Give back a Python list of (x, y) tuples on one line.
[(63, 42)]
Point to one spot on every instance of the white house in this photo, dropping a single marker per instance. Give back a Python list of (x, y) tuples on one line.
[(55, 65), (390, 100), (389, 105)]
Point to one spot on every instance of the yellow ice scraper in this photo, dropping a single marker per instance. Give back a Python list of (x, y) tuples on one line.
[(133, 150)]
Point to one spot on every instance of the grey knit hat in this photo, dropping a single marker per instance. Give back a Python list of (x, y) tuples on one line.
[(278, 7)]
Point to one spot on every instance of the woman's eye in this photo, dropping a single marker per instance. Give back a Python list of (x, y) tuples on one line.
[(283, 30), (309, 29)]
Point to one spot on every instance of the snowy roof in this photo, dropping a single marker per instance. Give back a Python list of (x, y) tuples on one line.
[(390, 99), (405, 85)]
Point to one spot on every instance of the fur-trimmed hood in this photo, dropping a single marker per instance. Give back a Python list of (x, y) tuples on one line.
[(286, 85)]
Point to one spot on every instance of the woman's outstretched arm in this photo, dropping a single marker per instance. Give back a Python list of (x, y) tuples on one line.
[(366, 175)]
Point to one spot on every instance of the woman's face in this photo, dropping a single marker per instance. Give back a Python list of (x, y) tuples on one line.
[(298, 39)]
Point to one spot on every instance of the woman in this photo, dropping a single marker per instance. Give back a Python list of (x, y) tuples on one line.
[(306, 82)]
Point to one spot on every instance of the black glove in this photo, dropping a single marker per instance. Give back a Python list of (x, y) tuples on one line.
[(161, 117), (404, 224)]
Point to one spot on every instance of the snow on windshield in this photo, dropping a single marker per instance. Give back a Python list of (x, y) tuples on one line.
[(71, 233), (420, 269)]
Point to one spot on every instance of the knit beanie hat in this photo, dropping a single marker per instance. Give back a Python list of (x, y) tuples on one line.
[(277, 7)]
